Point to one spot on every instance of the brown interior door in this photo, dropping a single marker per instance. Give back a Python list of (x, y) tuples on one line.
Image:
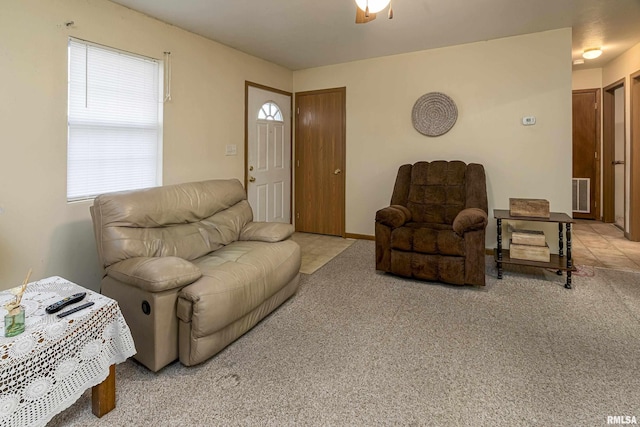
[(320, 161), (586, 151)]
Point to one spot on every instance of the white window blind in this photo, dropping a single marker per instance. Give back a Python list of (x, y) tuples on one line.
[(115, 121)]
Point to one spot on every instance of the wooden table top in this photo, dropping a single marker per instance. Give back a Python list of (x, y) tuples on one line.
[(553, 217)]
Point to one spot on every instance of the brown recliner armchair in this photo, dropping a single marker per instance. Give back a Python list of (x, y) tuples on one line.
[(435, 227)]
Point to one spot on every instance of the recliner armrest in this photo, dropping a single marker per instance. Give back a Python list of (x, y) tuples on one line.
[(393, 216), (155, 274), (470, 219), (270, 232)]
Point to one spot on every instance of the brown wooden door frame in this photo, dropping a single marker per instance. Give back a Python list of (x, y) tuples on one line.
[(609, 152), (634, 166), (299, 199), (248, 84), (595, 204)]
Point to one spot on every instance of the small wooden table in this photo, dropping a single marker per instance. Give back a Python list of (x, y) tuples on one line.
[(559, 261), (46, 369)]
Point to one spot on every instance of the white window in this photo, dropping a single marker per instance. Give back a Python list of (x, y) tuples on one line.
[(270, 111), (114, 119)]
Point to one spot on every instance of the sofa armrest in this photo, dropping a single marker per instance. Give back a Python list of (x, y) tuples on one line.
[(270, 232), (470, 219), (393, 216), (155, 274)]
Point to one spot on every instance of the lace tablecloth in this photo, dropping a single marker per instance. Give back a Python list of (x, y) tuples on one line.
[(46, 369)]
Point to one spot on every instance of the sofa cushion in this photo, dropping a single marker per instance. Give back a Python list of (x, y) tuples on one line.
[(450, 243), (171, 204), (402, 238), (428, 239), (470, 219), (155, 274), (266, 231), (185, 220), (437, 191), (425, 240), (449, 269), (393, 216), (235, 280)]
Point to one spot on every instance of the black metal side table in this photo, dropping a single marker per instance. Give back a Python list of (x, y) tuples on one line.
[(559, 261)]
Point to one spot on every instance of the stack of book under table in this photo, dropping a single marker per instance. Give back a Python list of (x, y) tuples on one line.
[(529, 245)]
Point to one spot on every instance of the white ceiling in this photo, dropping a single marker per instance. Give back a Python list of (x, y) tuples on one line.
[(300, 34)]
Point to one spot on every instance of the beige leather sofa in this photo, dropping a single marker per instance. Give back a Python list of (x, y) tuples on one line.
[(189, 269)]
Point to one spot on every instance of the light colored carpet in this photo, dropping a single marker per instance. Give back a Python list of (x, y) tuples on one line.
[(357, 347)]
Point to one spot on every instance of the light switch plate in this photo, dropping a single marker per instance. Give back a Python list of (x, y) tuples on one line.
[(231, 150), (529, 120)]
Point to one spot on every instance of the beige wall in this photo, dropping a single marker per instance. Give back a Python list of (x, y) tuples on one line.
[(38, 228), (622, 66), (494, 85), (586, 79)]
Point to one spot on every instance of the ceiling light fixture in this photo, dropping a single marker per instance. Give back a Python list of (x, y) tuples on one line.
[(374, 6), (592, 53), (366, 10)]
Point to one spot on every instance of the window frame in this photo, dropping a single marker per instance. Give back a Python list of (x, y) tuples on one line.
[(158, 127), (271, 117)]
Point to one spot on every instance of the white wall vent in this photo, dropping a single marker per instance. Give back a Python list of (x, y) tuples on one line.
[(582, 195)]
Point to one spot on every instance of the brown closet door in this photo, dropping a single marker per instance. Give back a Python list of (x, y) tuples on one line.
[(320, 162)]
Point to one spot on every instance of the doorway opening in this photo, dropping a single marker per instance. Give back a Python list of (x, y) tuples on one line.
[(614, 156), (634, 166)]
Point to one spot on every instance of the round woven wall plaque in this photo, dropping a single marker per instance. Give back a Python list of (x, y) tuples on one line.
[(434, 114)]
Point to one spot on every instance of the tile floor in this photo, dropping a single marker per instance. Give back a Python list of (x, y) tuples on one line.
[(603, 245), (318, 249)]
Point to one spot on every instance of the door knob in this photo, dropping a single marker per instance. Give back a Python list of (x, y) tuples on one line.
[(250, 168), (252, 179), (618, 162), (337, 171)]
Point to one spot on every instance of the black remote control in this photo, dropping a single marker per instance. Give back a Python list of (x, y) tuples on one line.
[(73, 310), (57, 306)]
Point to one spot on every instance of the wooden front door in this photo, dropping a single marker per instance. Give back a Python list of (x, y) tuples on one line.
[(586, 153), (320, 161)]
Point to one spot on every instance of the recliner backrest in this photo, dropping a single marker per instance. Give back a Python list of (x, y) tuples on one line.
[(435, 192), (185, 220)]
